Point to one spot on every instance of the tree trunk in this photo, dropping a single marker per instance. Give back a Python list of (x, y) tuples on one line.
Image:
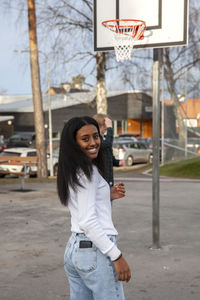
[(101, 99), (179, 118), (169, 74), (36, 91)]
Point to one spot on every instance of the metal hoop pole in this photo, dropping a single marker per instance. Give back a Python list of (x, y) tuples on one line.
[(156, 150)]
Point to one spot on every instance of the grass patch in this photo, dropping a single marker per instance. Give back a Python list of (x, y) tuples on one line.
[(189, 168)]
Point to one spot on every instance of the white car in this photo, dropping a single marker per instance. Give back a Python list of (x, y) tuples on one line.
[(25, 152), (21, 152)]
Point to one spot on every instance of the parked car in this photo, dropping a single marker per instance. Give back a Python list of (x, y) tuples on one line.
[(22, 139), (25, 152), (133, 136), (147, 141), (149, 144), (2, 143), (132, 152), (22, 152)]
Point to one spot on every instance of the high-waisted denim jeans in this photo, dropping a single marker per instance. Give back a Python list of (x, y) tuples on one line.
[(91, 274)]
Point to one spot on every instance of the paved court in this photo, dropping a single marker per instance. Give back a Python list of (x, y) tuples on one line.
[(35, 228)]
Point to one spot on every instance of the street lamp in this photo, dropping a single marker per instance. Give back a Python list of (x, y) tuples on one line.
[(49, 107)]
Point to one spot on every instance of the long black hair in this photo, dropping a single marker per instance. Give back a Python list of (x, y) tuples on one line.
[(73, 159)]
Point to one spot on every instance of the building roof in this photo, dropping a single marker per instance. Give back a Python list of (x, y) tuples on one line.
[(24, 103)]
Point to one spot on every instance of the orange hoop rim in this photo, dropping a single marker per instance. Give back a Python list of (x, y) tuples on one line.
[(134, 28), (111, 27)]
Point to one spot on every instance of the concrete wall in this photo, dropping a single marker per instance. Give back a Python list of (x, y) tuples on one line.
[(117, 107)]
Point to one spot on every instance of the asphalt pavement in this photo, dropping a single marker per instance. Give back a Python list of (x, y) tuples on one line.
[(35, 228)]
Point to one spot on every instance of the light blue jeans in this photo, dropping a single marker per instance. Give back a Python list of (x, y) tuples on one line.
[(91, 274)]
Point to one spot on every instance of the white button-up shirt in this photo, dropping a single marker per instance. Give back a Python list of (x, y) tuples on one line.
[(91, 213)]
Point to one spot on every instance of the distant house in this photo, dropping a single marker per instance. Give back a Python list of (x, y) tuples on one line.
[(131, 111)]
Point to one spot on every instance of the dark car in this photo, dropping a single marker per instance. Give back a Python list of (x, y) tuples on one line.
[(128, 135), (22, 139)]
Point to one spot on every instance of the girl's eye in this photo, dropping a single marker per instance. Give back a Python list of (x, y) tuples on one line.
[(85, 139)]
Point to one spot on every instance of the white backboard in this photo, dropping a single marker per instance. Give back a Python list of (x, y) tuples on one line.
[(166, 21)]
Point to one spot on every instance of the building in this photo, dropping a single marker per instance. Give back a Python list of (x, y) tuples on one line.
[(190, 110), (131, 111), (6, 126)]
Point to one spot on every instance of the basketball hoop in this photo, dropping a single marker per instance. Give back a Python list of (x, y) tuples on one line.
[(126, 32)]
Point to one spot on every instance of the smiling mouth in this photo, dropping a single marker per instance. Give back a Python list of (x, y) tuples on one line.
[(93, 150)]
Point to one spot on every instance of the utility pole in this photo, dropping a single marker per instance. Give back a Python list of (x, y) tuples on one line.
[(36, 91)]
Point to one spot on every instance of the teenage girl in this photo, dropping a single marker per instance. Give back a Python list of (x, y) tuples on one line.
[(94, 265)]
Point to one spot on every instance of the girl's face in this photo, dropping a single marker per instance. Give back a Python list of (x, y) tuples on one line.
[(87, 137)]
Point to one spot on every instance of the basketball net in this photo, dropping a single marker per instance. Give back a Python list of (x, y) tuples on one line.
[(125, 33)]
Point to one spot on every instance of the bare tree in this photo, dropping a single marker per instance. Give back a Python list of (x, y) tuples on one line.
[(101, 98), (36, 90), (22, 7), (72, 20), (179, 60), (68, 24), (73, 23)]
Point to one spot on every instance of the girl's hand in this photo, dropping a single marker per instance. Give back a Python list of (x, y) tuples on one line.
[(122, 269), (117, 191)]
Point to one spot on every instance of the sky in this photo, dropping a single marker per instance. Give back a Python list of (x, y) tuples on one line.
[(14, 67), (15, 77)]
